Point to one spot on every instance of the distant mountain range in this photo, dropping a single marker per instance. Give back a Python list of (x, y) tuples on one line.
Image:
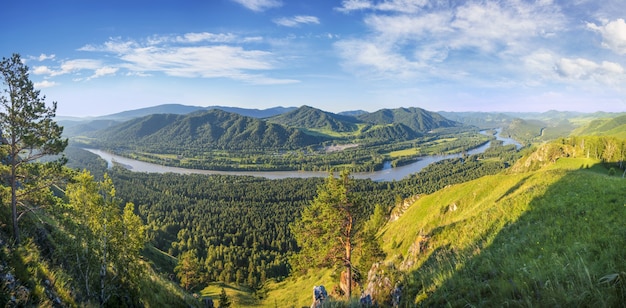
[(219, 127), (202, 129)]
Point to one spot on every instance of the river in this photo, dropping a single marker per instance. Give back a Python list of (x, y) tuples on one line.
[(386, 174)]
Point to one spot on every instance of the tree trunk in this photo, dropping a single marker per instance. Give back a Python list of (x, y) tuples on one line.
[(16, 229), (349, 268)]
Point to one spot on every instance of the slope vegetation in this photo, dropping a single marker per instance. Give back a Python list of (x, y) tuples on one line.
[(417, 119), (312, 118), (543, 238), (607, 127), (214, 129)]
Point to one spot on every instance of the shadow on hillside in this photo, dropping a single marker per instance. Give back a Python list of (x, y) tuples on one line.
[(566, 249)]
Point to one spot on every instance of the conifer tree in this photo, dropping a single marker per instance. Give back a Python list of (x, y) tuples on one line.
[(224, 299), (188, 269), (329, 227), (28, 132)]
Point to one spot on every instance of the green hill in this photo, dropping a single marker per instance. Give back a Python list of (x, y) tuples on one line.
[(615, 127), (417, 119), (549, 237), (312, 118), (208, 130)]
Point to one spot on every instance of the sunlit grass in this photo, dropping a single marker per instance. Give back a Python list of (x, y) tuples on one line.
[(298, 291), (545, 238), (239, 296)]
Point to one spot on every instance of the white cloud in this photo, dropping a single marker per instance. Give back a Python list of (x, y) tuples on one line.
[(455, 38), (548, 66), (259, 5), (583, 69), (67, 67), (191, 55), (104, 71), (43, 57), (44, 84), (206, 37), (613, 35), (72, 66), (296, 20), (401, 6), (42, 70)]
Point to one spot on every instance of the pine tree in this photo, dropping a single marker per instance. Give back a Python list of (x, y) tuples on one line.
[(328, 228), (188, 269), (28, 133), (224, 300)]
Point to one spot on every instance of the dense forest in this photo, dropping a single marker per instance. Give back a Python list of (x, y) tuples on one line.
[(302, 139), (237, 227)]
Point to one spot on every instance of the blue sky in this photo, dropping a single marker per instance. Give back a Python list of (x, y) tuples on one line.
[(101, 57)]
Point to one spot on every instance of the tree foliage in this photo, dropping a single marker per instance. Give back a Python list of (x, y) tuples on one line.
[(27, 132), (104, 251), (329, 227)]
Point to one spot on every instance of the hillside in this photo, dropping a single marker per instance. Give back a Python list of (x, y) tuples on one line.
[(615, 127), (483, 120), (312, 118), (213, 129), (542, 238), (417, 119)]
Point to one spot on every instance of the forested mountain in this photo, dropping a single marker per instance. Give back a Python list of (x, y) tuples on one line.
[(417, 119), (482, 120), (607, 126), (397, 131), (213, 129), (86, 127), (313, 118)]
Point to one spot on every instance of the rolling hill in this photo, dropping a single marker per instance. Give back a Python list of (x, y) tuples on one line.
[(213, 129), (419, 120), (312, 118), (607, 127)]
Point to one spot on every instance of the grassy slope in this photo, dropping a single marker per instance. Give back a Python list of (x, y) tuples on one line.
[(540, 238)]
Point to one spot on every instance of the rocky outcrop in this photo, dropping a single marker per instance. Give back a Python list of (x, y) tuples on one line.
[(383, 285), (319, 296), (400, 208)]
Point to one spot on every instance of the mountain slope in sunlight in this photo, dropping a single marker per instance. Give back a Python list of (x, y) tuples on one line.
[(550, 237)]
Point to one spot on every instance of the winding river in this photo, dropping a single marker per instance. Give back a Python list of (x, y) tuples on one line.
[(386, 174)]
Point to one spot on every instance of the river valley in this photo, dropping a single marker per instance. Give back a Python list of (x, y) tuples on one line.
[(386, 174)]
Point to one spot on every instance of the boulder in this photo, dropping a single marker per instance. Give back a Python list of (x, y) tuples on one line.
[(319, 296)]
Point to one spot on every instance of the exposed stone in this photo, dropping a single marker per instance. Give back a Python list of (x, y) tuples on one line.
[(319, 296)]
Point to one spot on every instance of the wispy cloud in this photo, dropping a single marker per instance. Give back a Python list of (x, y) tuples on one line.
[(296, 20), (613, 35), (421, 38), (402, 6), (104, 71), (546, 65), (191, 55), (259, 5), (43, 57), (44, 84)]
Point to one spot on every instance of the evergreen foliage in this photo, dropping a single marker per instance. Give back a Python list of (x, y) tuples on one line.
[(224, 300), (419, 120), (329, 228), (27, 132), (312, 118)]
